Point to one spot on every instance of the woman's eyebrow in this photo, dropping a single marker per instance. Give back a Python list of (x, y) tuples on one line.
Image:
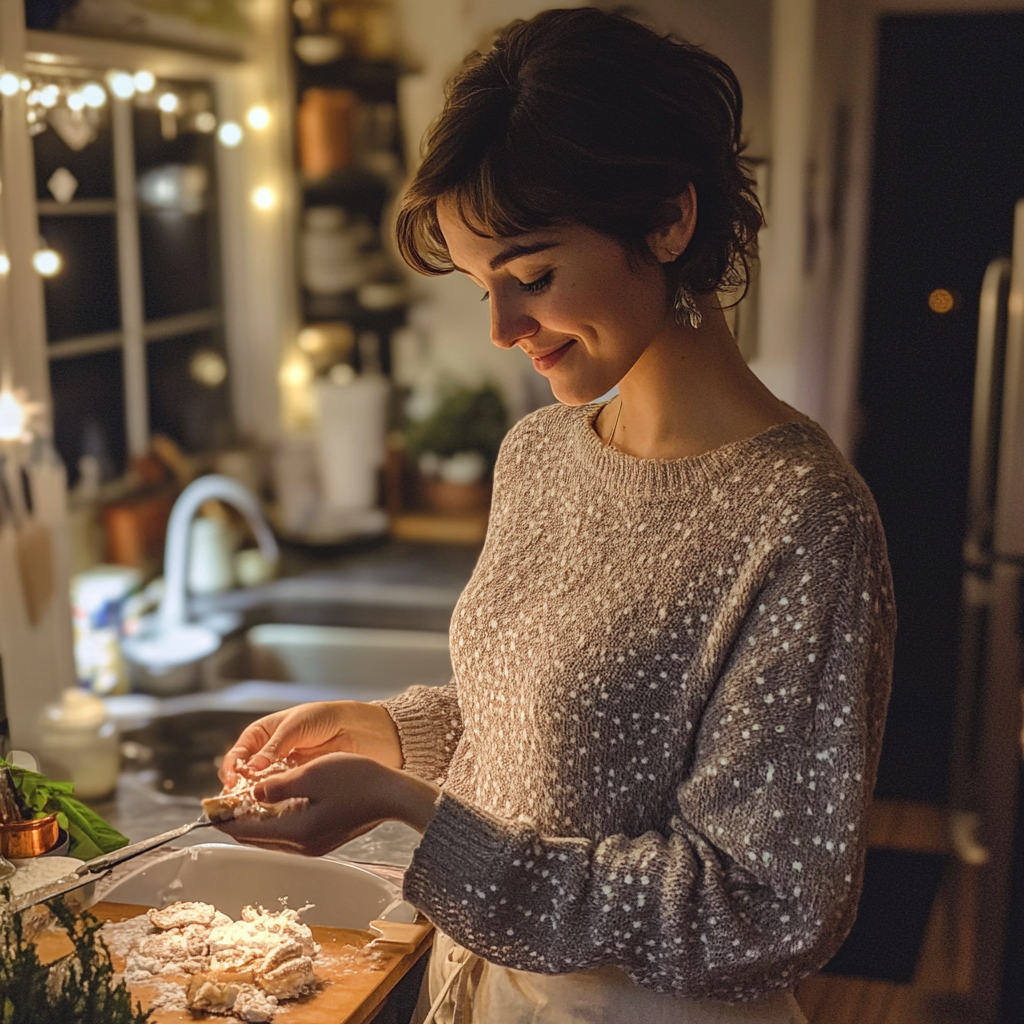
[(513, 252)]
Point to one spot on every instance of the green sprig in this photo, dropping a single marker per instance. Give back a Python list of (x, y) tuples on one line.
[(77, 988)]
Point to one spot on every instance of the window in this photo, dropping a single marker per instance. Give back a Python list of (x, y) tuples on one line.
[(128, 223)]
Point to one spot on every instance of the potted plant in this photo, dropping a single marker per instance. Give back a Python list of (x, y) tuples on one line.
[(456, 446)]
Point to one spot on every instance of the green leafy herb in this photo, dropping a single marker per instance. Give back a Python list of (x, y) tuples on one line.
[(465, 420), (90, 835), (79, 987)]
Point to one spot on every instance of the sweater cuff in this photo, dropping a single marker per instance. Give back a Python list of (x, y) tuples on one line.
[(460, 844), (428, 740)]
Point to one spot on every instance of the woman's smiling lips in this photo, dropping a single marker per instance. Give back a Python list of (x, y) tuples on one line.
[(546, 360)]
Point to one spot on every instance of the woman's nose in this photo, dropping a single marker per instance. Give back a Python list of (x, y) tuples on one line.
[(510, 322)]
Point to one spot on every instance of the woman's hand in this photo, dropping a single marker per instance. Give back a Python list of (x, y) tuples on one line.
[(334, 798), (311, 730)]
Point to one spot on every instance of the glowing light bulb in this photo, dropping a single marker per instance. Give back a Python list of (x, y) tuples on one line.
[(144, 81), (25, 84), (47, 262), (296, 371), (49, 94), (168, 103), (258, 117), (205, 121), (122, 85), (264, 197), (76, 101), (94, 95), (12, 417), (9, 84), (5, 264), (230, 133), (208, 368)]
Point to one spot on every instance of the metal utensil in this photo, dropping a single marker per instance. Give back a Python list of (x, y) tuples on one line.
[(98, 867), (109, 860)]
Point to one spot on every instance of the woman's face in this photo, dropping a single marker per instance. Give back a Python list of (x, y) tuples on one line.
[(568, 296)]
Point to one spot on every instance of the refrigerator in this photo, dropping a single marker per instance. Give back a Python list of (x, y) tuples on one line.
[(986, 793)]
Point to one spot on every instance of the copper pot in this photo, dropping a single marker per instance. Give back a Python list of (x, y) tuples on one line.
[(29, 838)]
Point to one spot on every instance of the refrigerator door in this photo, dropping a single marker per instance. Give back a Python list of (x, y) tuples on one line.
[(1008, 534), (988, 392)]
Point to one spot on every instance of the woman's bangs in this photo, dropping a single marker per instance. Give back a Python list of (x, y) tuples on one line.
[(493, 205)]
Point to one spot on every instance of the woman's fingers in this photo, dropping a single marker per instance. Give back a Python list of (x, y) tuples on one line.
[(286, 831), (325, 803), (300, 732), (251, 740)]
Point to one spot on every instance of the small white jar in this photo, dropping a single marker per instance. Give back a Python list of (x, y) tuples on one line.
[(79, 742)]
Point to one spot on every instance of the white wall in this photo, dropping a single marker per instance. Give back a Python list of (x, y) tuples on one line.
[(739, 32)]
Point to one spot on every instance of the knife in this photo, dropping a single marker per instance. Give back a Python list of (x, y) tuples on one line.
[(100, 867)]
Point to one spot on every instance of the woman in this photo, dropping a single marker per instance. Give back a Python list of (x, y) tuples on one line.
[(642, 795)]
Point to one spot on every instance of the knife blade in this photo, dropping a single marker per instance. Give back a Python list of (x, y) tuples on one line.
[(109, 860), (100, 867), (53, 890)]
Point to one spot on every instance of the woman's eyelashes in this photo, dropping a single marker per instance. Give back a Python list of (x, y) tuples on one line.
[(529, 286), (539, 285)]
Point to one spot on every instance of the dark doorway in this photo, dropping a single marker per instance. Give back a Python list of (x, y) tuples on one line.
[(949, 165)]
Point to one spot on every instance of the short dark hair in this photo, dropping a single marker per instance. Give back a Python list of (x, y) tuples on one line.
[(589, 117)]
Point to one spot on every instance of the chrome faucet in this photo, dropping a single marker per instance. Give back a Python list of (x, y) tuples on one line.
[(173, 608)]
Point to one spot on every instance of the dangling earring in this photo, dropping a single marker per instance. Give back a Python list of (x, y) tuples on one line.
[(686, 309)]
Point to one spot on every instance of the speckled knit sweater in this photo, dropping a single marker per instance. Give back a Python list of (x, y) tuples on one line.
[(670, 682)]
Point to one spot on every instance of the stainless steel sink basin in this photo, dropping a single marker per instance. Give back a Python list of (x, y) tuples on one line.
[(345, 662)]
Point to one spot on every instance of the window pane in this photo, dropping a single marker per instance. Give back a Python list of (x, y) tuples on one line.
[(92, 166), (178, 217), (88, 411), (188, 391), (176, 267), (83, 297)]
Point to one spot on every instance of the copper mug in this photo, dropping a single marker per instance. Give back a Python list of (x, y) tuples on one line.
[(29, 838)]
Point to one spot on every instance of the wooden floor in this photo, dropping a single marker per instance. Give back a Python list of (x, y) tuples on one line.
[(937, 993)]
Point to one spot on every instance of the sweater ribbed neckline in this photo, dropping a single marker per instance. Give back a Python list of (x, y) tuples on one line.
[(628, 475)]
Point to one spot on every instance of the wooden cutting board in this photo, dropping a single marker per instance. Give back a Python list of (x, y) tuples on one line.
[(355, 982)]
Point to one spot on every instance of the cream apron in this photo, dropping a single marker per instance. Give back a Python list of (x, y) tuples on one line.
[(462, 988)]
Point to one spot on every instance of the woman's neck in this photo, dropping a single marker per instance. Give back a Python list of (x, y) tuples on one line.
[(689, 393)]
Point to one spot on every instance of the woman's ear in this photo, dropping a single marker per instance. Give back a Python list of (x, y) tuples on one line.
[(668, 243)]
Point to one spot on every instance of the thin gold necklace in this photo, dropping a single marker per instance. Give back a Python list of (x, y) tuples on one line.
[(615, 425)]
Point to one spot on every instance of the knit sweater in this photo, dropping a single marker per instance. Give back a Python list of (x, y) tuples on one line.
[(670, 682)]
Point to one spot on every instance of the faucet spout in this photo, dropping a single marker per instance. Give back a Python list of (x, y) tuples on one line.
[(173, 607)]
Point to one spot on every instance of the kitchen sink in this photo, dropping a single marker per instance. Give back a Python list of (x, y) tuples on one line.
[(264, 669), (231, 877), (346, 662)]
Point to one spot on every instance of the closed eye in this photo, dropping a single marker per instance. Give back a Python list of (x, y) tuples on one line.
[(529, 286), (539, 285)]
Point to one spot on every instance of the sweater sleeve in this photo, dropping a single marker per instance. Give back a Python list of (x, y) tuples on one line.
[(755, 882), (429, 724)]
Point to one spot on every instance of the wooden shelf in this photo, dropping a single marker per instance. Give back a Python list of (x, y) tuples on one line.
[(425, 528)]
